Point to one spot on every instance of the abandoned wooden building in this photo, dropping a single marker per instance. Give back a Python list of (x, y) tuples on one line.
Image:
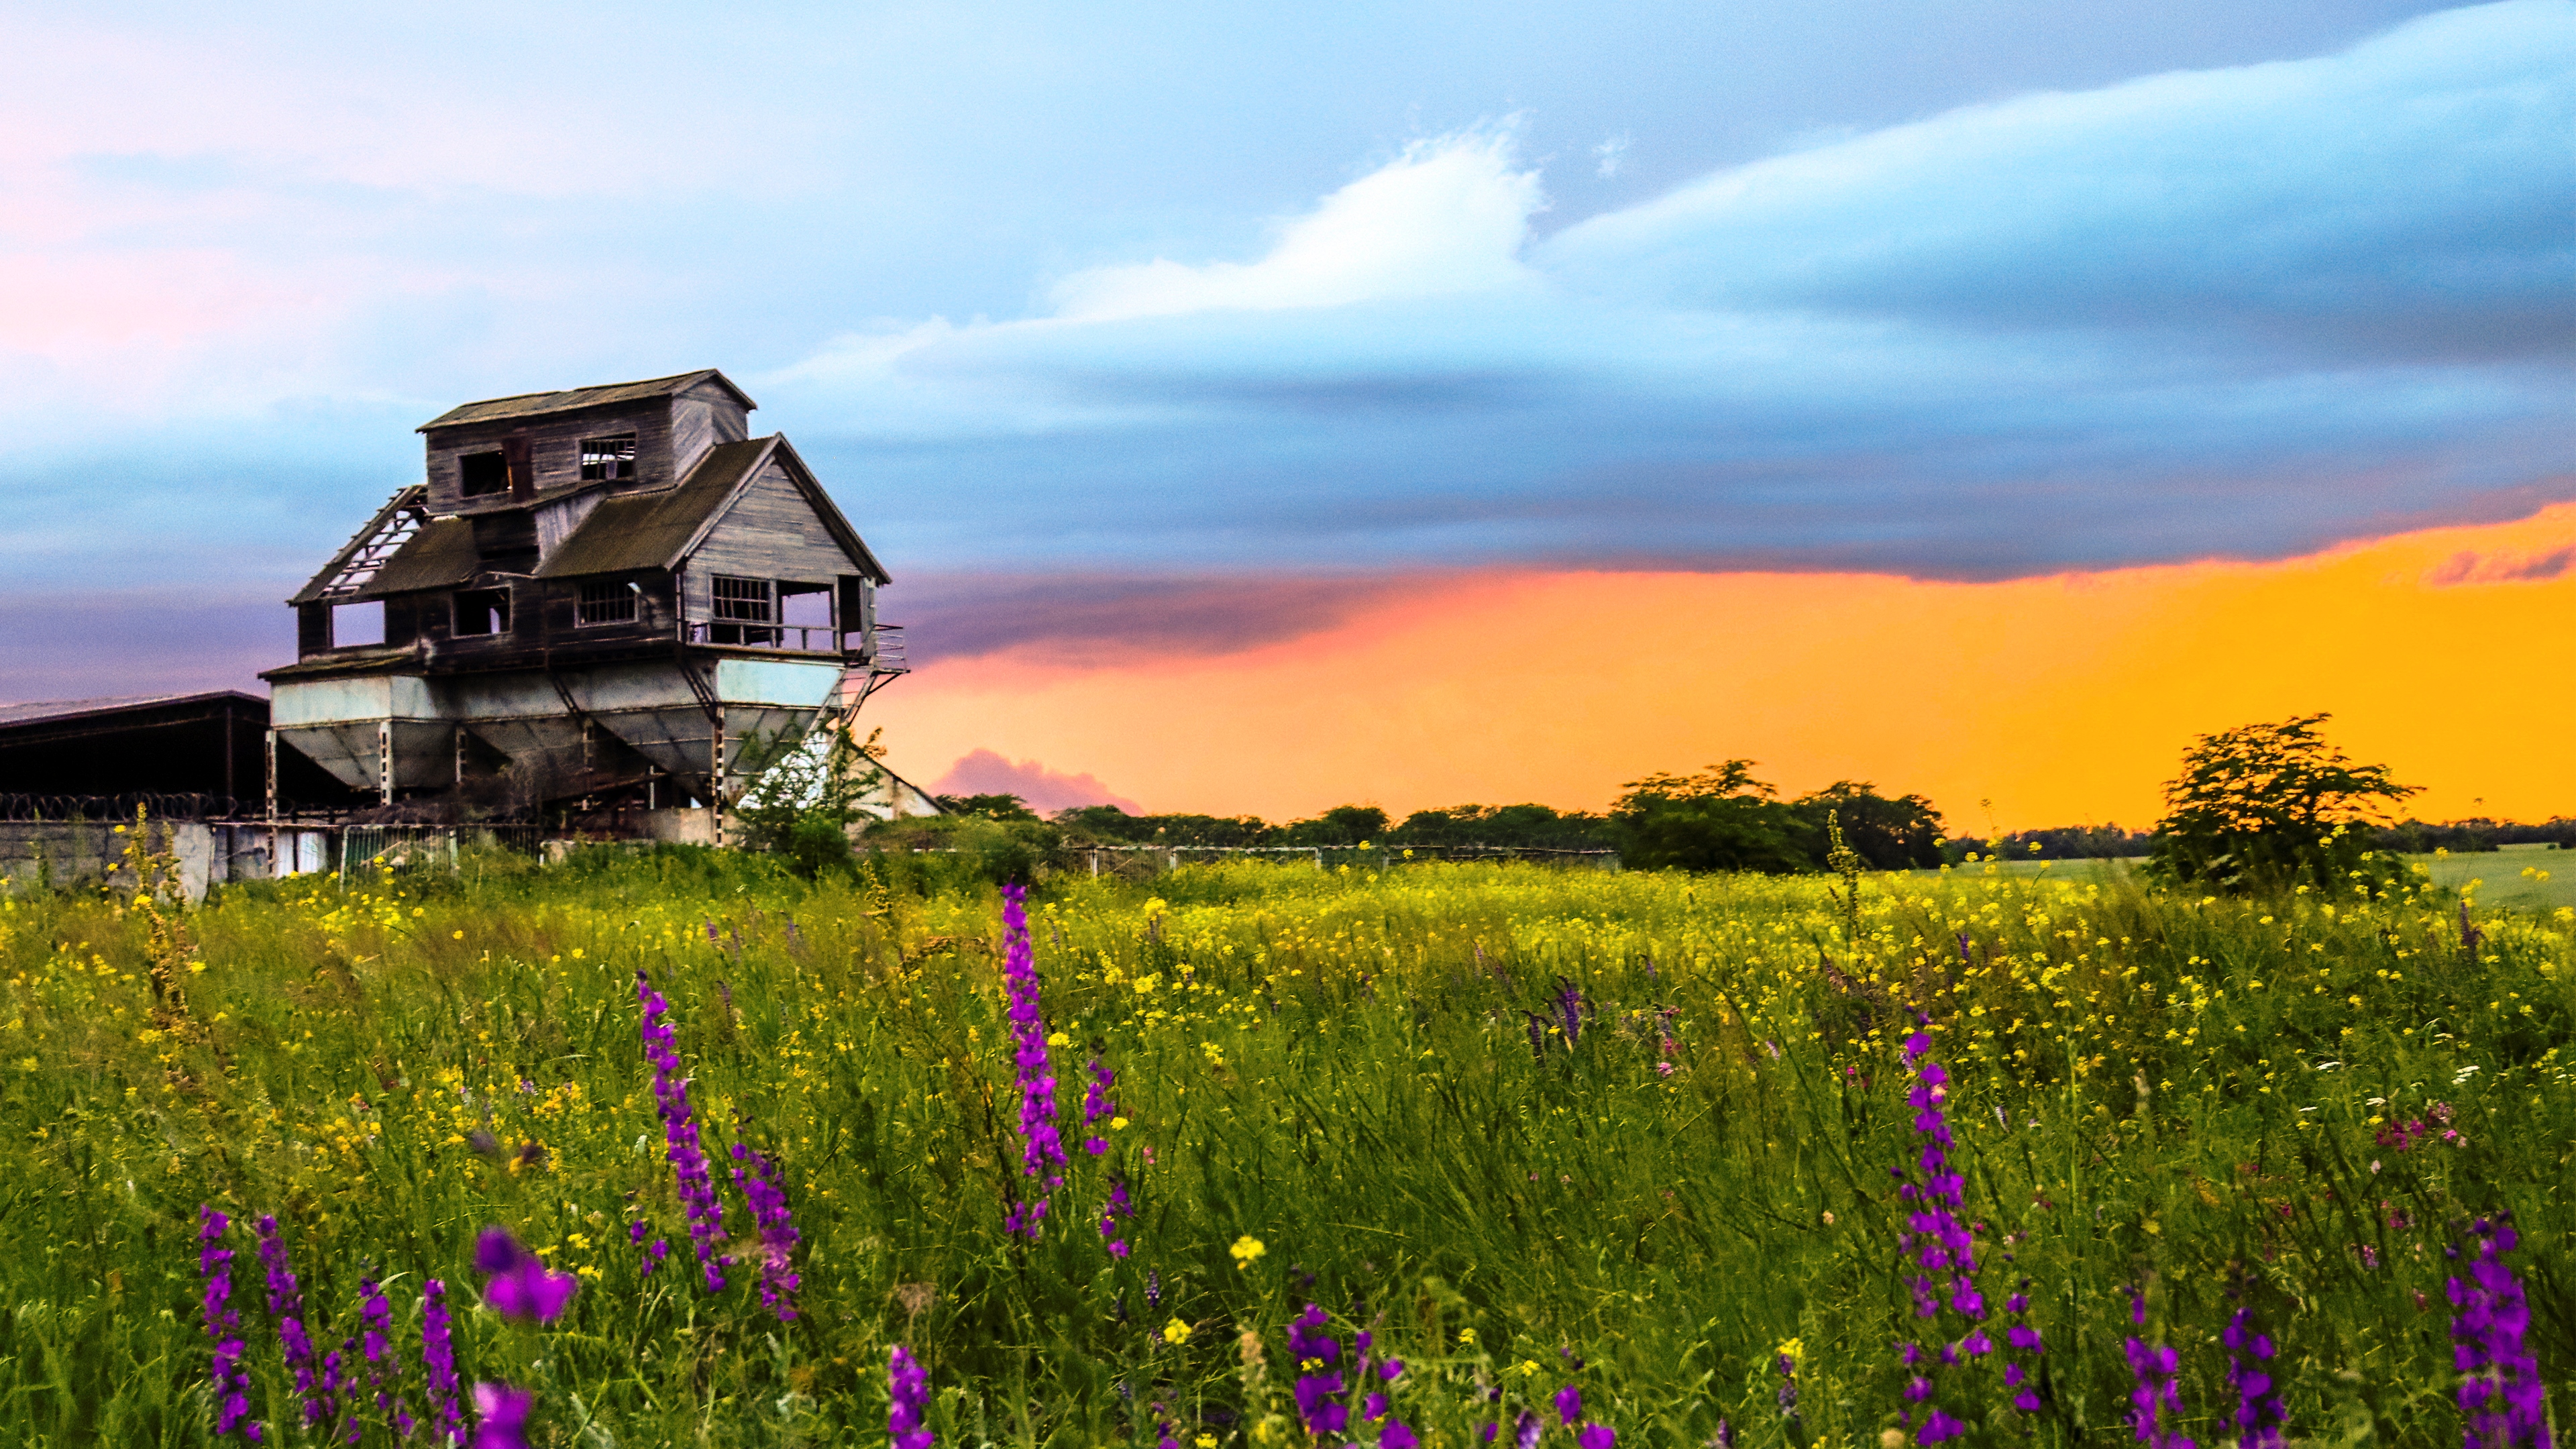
[(609, 594)]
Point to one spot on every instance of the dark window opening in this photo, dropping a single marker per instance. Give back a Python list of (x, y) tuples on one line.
[(483, 474), (483, 611), (607, 458), (742, 607), (354, 625), (609, 603)]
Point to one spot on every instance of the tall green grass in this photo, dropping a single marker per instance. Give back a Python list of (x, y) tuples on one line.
[(2158, 1091)]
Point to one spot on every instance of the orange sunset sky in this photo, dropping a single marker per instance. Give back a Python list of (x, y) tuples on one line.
[(2449, 653)]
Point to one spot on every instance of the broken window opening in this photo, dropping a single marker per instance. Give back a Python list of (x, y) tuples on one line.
[(483, 611), (605, 459), (741, 605), (483, 474), (805, 614), (355, 626), (612, 602)]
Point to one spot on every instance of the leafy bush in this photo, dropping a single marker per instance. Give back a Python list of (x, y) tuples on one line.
[(999, 852)]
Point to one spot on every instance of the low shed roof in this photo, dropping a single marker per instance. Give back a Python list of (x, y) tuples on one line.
[(534, 404)]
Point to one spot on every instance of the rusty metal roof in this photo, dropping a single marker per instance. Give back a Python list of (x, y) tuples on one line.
[(57, 710), (535, 404), (440, 556), (634, 531), (630, 532)]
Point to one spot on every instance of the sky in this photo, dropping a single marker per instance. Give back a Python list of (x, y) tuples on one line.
[(1504, 400)]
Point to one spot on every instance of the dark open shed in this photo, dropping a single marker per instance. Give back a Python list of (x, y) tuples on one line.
[(211, 744)]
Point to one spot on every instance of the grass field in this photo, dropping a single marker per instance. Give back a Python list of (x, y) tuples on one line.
[(1531, 1129), (2516, 877)]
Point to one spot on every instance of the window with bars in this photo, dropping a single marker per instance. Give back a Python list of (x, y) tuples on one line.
[(606, 603), (746, 601), (607, 458), (745, 609)]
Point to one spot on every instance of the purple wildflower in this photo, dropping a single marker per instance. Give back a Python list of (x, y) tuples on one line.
[(1569, 1009), (231, 1381), (335, 1379), (1119, 1206), (501, 1416), (1943, 1249), (651, 1257), (2500, 1391), (521, 1286), (1394, 1435), (1569, 1405), (378, 1317), (1318, 1389), (1098, 1106), (778, 1236), (286, 1305), (680, 1132), (2259, 1414), (1596, 1436), (1724, 1438), (1041, 1147), (1788, 1396), (908, 1386), (2154, 1403), (1527, 1429), (1537, 1034), (2023, 1340), (438, 1356)]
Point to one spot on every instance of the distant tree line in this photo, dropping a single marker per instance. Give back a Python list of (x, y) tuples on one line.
[(2257, 807), (1720, 819)]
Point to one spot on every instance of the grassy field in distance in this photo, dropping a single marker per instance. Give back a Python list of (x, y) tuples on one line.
[(2501, 874)]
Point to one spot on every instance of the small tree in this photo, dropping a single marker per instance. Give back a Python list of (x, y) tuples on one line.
[(1719, 819), (1901, 832), (802, 806), (2269, 806)]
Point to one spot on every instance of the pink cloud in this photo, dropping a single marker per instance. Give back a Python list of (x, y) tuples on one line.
[(2467, 567), (982, 772)]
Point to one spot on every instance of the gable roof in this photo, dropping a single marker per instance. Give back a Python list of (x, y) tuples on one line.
[(535, 404), (635, 531), (352, 572)]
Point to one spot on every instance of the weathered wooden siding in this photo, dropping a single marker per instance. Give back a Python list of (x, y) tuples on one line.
[(543, 614), (554, 453), (769, 532), (701, 418)]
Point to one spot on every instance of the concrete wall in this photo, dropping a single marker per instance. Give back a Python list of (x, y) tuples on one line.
[(88, 854)]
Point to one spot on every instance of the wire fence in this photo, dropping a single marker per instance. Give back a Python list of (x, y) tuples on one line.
[(1373, 856), (113, 808)]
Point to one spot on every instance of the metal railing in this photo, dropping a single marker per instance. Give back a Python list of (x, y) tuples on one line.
[(887, 657), (400, 847)]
